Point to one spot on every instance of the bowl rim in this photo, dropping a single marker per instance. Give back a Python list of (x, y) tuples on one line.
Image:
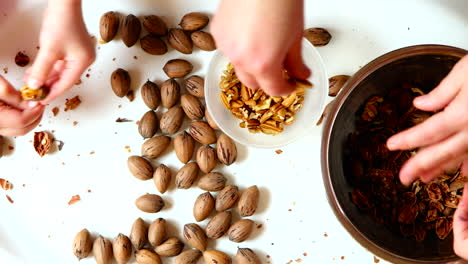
[(325, 84), (353, 82)]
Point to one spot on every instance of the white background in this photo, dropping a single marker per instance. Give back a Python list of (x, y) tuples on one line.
[(39, 227)]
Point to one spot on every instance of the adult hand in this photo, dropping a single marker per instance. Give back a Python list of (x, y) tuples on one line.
[(261, 38), (443, 138), (460, 227), (66, 49), (17, 116)]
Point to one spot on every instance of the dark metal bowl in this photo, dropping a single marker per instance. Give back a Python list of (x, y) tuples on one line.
[(423, 64)]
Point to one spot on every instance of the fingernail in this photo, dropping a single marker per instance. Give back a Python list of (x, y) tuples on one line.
[(32, 104), (285, 93), (403, 180), (34, 84), (427, 178), (405, 177), (406, 184), (421, 100), (391, 144)]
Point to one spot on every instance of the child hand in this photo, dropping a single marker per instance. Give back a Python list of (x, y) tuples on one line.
[(18, 117), (66, 49), (261, 38)]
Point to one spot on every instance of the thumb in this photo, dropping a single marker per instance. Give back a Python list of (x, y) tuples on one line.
[(41, 68), (274, 84), (11, 96), (294, 63)]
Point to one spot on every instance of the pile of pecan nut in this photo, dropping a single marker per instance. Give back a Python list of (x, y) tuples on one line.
[(259, 112)]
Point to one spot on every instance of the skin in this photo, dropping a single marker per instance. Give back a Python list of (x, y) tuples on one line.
[(442, 139), (17, 118), (443, 143), (262, 41), (66, 50), (460, 227), (260, 45)]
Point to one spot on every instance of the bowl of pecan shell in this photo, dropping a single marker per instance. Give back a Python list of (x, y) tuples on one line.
[(254, 118), (398, 223)]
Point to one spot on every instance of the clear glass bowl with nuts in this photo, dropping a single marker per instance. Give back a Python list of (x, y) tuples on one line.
[(255, 119)]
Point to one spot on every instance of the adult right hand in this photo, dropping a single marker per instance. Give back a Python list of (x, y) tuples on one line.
[(262, 38)]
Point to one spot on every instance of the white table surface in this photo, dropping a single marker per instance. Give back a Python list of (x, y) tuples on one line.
[(40, 225)]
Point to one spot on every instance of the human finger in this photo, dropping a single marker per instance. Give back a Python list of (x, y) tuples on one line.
[(11, 96), (447, 166), (294, 63), (446, 91), (434, 129), (273, 82), (54, 73), (246, 79), (13, 132), (69, 76), (14, 119), (434, 157), (41, 68)]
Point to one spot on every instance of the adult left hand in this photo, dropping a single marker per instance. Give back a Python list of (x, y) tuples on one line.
[(443, 138)]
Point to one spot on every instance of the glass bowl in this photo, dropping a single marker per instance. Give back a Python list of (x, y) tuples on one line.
[(306, 117)]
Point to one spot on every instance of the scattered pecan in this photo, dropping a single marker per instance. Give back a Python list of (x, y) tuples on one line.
[(74, 199), (55, 111), (72, 103), (21, 59), (361, 200), (370, 110), (60, 144), (42, 142), (122, 120), (9, 198), (5, 185), (419, 234), (408, 214), (443, 227)]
